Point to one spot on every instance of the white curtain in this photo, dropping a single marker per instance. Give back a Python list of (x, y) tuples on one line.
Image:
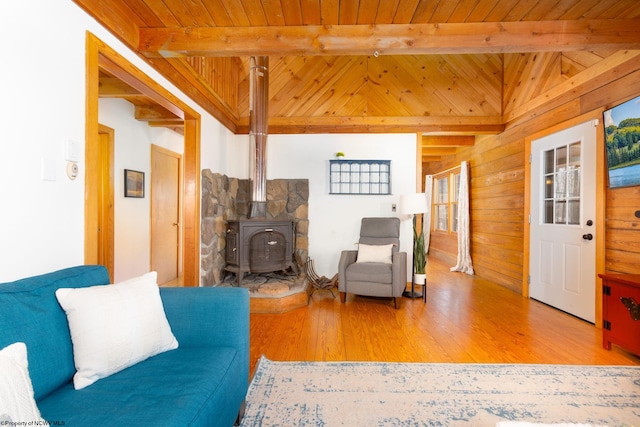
[(464, 239), (426, 218)]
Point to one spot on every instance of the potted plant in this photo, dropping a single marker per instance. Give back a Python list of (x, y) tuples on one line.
[(339, 155), (419, 256)]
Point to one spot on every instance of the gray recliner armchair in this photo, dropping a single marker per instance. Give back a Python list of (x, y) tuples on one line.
[(377, 268)]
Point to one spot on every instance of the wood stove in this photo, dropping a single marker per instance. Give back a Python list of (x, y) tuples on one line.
[(259, 246)]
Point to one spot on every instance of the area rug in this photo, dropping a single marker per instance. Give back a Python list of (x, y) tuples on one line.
[(440, 394)]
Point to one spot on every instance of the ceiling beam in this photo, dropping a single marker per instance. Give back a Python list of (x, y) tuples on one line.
[(155, 112), (426, 159), (364, 124), (448, 140), (438, 151), (391, 39)]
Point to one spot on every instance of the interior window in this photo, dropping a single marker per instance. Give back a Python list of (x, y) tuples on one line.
[(441, 204), (445, 202)]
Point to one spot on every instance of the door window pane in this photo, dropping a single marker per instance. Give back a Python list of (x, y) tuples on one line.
[(561, 184)]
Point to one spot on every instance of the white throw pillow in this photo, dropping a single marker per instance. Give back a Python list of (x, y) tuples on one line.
[(374, 253), (115, 326), (17, 404)]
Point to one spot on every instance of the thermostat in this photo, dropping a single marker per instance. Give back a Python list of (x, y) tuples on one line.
[(72, 170)]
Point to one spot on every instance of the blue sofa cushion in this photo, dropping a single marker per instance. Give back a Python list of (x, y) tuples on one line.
[(181, 387), (30, 313)]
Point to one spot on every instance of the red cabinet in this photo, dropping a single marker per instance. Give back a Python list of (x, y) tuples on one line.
[(621, 311)]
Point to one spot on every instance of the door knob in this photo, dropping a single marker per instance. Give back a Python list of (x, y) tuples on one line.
[(588, 236)]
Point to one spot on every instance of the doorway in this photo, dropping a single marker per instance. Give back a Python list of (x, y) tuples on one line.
[(99, 57), (562, 245)]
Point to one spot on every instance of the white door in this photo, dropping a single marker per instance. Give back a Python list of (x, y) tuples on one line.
[(562, 224)]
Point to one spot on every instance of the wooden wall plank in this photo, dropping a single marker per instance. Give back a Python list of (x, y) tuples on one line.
[(623, 230), (367, 10), (405, 11), (580, 8), (462, 10), (607, 96), (387, 11), (546, 9), (236, 12), (217, 13), (497, 185), (182, 14), (519, 10), (158, 17), (255, 12), (273, 12), (423, 12), (622, 262), (293, 13), (311, 14)]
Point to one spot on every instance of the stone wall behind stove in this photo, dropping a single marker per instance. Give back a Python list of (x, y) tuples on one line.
[(225, 199)]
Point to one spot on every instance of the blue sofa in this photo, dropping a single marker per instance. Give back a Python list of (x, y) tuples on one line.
[(201, 383)]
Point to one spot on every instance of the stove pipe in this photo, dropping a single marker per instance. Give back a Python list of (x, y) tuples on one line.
[(258, 130)]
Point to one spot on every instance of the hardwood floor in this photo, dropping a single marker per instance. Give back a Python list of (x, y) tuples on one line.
[(464, 320)]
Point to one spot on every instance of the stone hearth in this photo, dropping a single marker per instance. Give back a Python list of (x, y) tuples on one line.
[(225, 199), (275, 292)]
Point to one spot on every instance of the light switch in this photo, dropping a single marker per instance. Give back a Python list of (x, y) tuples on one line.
[(48, 170), (71, 151)]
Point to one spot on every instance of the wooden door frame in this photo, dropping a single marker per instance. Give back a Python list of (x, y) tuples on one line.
[(106, 202), (100, 56), (600, 201)]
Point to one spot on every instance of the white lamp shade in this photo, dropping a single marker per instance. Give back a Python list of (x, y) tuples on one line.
[(411, 204)]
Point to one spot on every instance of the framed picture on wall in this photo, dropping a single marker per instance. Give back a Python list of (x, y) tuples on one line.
[(133, 183), (622, 140)]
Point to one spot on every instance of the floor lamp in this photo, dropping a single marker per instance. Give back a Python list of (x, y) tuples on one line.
[(413, 204)]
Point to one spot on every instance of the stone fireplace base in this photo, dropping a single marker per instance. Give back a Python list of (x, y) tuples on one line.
[(276, 292), (226, 199)]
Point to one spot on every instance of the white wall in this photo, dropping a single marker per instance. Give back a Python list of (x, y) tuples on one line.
[(42, 105), (334, 220), (222, 151)]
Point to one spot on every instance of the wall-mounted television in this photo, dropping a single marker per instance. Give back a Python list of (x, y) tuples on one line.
[(622, 140)]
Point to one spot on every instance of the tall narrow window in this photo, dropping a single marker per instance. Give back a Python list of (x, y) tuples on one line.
[(441, 204), (445, 202)]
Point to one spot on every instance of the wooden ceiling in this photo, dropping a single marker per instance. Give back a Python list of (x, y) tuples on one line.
[(432, 67)]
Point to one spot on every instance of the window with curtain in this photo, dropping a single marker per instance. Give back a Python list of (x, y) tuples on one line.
[(445, 202)]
